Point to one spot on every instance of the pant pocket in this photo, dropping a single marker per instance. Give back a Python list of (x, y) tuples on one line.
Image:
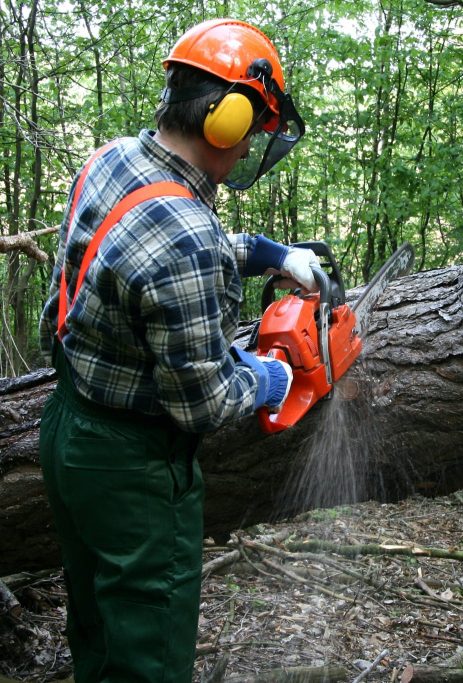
[(137, 642), (106, 491), (183, 466)]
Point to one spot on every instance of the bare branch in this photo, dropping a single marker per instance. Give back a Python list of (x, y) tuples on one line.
[(25, 242)]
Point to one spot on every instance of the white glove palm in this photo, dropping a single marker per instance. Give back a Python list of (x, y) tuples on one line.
[(297, 267)]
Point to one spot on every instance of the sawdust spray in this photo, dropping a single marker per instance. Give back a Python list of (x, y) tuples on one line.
[(338, 463)]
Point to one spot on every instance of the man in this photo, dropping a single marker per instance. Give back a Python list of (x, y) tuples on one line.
[(144, 353)]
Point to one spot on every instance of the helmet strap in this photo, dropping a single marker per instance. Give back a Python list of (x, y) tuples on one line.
[(175, 95)]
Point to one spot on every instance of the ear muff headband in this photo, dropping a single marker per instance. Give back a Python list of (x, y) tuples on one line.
[(228, 120)]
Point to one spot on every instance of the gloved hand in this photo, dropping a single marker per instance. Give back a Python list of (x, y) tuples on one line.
[(274, 378), (294, 263), (297, 267), (281, 378)]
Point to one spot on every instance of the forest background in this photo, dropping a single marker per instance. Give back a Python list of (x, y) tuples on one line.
[(378, 83)]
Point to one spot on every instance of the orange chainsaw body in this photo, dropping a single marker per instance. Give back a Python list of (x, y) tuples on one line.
[(288, 331)]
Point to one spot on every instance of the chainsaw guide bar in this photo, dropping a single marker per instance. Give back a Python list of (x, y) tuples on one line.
[(398, 265)]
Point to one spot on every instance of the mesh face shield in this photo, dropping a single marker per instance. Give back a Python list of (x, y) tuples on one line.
[(268, 148)]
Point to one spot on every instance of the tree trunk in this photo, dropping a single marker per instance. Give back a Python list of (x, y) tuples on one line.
[(393, 427)]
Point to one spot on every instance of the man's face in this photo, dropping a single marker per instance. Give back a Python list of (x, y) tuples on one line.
[(240, 151), (228, 158)]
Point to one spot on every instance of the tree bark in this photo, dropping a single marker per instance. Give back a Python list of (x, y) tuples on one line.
[(393, 427)]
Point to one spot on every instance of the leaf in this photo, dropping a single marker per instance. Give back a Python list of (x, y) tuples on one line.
[(447, 594)]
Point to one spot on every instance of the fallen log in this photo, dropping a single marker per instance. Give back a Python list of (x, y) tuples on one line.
[(431, 674), (393, 427)]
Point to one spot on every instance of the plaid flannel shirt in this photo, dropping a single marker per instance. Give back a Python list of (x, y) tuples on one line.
[(152, 325)]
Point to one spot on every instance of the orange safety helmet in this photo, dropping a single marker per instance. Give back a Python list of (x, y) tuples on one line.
[(229, 49), (241, 55)]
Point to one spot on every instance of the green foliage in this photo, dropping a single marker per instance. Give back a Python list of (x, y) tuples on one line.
[(378, 85), (329, 514)]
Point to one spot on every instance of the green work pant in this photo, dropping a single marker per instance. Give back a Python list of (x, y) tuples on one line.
[(126, 494)]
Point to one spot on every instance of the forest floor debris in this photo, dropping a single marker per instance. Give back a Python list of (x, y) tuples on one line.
[(349, 593)]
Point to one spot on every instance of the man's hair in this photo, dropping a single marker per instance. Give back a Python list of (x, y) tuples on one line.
[(187, 116)]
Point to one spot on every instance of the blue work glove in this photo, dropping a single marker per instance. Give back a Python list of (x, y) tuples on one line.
[(294, 263), (275, 378)]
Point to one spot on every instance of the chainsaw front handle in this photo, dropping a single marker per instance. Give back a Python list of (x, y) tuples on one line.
[(321, 278), (324, 284)]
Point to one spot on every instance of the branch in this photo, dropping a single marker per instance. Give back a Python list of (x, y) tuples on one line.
[(25, 242), (8, 599), (371, 667), (219, 562), (296, 674), (374, 549)]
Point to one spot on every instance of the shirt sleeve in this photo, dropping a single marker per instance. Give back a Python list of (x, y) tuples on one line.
[(242, 245), (197, 381)]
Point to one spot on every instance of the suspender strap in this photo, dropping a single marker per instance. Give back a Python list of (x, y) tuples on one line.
[(167, 188), (62, 303)]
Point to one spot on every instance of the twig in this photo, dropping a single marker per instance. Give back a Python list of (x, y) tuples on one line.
[(300, 579), (204, 649), (371, 667), (218, 672), (219, 562), (420, 583), (297, 674), (9, 600), (380, 585), (255, 566), (314, 557)]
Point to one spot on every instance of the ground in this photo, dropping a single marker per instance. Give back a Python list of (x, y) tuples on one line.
[(281, 600)]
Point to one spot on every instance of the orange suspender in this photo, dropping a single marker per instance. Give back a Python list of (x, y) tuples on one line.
[(166, 188)]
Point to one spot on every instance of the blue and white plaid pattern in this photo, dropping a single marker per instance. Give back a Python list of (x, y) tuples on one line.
[(152, 324)]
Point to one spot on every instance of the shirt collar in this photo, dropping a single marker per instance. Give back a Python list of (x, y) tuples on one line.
[(201, 182)]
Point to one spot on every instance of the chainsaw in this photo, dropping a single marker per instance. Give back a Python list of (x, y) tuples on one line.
[(319, 335)]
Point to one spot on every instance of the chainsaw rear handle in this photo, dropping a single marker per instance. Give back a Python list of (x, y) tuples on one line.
[(321, 278)]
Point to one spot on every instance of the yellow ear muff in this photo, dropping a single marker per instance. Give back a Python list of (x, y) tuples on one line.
[(227, 122)]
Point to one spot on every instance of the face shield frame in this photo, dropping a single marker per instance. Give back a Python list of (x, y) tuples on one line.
[(270, 150)]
